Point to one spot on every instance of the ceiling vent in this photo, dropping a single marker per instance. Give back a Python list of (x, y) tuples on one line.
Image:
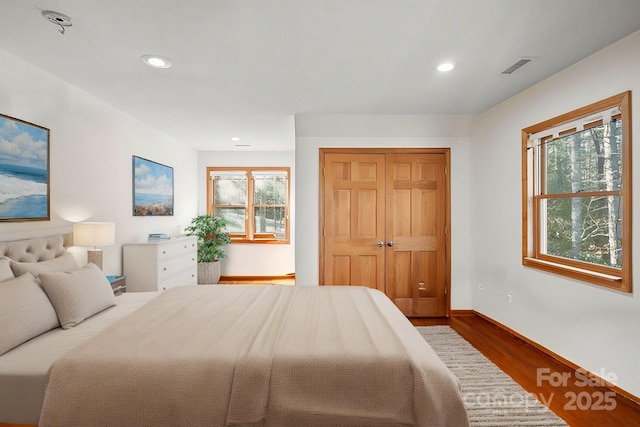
[(57, 18), (521, 63)]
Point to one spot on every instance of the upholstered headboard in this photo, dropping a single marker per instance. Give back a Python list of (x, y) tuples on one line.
[(34, 250)]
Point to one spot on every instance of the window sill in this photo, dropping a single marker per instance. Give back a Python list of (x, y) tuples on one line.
[(260, 241), (602, 279)]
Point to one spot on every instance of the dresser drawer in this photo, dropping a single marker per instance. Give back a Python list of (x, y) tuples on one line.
[(168, 250), (171, 266), (188, 277), (187, 247)]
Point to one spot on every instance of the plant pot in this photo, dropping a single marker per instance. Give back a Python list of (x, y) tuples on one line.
[(208, 273)]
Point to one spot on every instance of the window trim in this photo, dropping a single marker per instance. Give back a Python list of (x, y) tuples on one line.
[(251, 236), (619, 279)]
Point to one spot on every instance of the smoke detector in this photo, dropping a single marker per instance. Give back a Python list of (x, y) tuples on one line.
[(57, 18)]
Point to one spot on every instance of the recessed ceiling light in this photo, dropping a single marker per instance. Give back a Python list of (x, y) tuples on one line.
[(156, 61), (446, 66), (235, 138)]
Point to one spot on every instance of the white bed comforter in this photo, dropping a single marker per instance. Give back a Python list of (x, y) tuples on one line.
[(256, 356)]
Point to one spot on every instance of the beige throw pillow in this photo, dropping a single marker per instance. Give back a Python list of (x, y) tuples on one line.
[(79, 294), (25, 312), (5, 270), (66, 262)]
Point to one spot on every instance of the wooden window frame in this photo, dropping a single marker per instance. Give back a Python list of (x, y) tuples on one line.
[(251, 236), (619, 279)]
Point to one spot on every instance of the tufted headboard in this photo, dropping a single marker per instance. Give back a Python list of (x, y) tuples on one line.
[(34, 250)]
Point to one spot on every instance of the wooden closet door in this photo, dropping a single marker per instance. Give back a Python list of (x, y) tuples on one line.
[(416, 234), (385, 214), (353, 233)]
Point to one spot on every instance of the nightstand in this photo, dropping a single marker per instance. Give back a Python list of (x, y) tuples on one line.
[(118, 284)]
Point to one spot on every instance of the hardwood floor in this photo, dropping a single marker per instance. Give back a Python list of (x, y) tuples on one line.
[(288, 279), (563, 389)]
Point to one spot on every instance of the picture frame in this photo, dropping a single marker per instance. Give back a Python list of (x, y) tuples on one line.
[(152, 188), (24, 171)]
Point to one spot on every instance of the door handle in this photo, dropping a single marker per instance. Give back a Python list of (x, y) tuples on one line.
[(390, 243), (380, 244)]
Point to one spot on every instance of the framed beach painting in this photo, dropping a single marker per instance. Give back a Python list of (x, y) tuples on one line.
[(24, 171), (152, 188)]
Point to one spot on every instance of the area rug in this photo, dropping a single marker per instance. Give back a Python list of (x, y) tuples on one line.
[(491, 397)]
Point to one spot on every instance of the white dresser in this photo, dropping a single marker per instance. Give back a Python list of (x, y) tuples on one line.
[(158, 266)]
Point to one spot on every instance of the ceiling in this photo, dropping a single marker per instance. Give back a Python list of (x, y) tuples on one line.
[(245, 68)]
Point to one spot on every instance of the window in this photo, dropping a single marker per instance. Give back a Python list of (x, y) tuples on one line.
[(577, 194), (253, 201)]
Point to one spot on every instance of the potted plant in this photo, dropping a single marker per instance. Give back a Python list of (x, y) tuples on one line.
[(211, 237)]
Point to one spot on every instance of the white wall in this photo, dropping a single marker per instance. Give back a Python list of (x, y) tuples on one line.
[(412, 131), (248, 259), (91, 145), (591, 326)]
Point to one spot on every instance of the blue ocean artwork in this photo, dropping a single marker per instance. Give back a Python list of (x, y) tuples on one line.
[(24, 173), (152, 188)]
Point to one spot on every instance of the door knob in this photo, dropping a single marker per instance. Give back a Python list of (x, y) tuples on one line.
[(380, 244), (390, 243)]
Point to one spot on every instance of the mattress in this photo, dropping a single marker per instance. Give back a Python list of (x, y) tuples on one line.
[(23, 370)]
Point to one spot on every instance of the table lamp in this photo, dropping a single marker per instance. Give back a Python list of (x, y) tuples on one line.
[(94, 234)]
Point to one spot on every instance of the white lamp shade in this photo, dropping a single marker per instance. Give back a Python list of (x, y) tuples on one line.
[(94, 233)]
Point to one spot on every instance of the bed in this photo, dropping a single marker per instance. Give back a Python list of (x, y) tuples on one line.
[(216, 355)]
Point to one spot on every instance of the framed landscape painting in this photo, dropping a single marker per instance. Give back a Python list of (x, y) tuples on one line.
[(24, 171), (152, 188)]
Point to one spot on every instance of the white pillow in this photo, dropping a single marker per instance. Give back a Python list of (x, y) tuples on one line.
[(5, 270), (66, 262), (79, 294), (25, 312)]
